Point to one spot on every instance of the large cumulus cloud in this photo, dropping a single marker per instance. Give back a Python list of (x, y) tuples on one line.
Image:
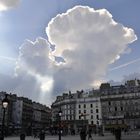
[(8, 4), (88, 40)]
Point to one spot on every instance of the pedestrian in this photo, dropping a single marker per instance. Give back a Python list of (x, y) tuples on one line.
[(42, 135), (83, 134), (22, 136), (118, 133), (35, 134), (89, 135)]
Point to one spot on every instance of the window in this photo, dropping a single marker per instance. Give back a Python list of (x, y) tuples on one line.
[(79, 111), (91, 116), (91, 105), (79, 106), (115, 108), (121, 108), (109, 103), (84, 105), (91, 111), (84, 111), (79, 117), (97, 116), (97, 110), (92, 122)]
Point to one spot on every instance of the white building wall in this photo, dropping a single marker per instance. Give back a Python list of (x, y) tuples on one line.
[(91, 108)]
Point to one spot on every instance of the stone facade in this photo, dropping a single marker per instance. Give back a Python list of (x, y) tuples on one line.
[(121, 106), (23, 114), (74, 105), (109, 106)]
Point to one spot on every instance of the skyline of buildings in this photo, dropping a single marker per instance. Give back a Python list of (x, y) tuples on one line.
[(23, 114), (103, 108)]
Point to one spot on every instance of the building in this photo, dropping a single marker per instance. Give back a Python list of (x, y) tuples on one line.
[(90, 107), (67, 104), (17, 114), (76, 105), (121, 106), (45, 117), (36, 116), (24, 115), (41, 117)]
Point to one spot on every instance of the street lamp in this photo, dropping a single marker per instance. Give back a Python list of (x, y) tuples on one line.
[(5, 103), (60, 114)]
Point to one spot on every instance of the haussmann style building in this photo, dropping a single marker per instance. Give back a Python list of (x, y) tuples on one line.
[(121, 105)]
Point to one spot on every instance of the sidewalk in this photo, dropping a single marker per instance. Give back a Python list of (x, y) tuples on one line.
[(107, 136)]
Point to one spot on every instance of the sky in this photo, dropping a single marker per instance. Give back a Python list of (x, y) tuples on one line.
[(50, 47)]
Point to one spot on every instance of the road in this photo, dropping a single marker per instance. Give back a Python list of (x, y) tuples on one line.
[(106, 137)]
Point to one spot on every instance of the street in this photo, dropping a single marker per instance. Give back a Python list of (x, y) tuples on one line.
[(76, 137)]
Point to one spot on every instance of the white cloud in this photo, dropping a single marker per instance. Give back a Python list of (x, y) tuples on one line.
[(35, 68), (8, 4), (34, 56), (88, 40)]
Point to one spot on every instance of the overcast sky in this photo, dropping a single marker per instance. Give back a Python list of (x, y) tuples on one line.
[(50, 47)]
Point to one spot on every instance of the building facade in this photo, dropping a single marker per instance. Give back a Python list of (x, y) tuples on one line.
[(67, 104), (78, 109), (90, 108), (108, 107), (121, 106), (23, 114), (41, 117)]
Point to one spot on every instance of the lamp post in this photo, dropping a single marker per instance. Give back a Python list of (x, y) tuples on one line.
[(60, 114), (5, 103)]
